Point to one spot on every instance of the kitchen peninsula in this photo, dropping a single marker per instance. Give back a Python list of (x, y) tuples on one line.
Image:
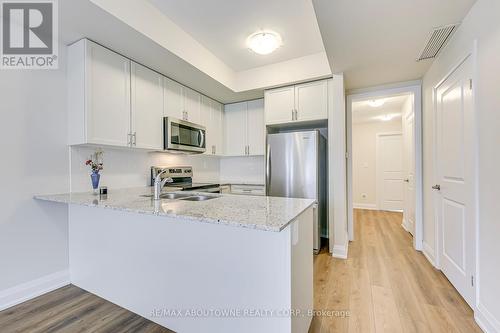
[(216, 263)]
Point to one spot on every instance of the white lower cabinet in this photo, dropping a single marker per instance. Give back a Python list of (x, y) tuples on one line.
[(248, 189), (244, 128)]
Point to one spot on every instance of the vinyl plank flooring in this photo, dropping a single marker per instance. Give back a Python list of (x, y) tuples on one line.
[(392, 287)]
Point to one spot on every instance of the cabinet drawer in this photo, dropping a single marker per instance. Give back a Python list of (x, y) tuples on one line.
[(248, 189)]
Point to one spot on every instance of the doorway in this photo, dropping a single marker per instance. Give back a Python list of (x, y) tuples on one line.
[(384, 155)]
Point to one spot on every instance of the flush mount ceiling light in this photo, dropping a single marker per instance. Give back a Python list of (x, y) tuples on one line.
[(375, 103), (264, 42)]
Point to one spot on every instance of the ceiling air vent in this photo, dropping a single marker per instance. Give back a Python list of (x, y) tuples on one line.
[(437, 39)]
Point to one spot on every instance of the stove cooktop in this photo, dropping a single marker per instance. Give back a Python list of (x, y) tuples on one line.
[(194, 186)]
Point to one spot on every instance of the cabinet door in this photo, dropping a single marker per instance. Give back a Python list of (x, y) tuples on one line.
[(235, 120), (192, 105), (206, 120), (279, 105), (174, 99), (218, 127), (147, 108), (311, 100), (255, 127), (108, 97)]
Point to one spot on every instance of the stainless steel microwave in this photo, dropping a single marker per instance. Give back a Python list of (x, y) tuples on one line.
[(183, 136)]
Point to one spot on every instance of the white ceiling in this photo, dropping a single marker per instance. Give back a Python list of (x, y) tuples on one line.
[(377, 42), (222, 26), (362, 112)]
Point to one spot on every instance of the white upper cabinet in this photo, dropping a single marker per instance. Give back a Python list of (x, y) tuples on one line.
[(98, 96), (217, 127), (256, 129), (279, 105), (174, 99), (245, 128), (212, 118), (235, 120), (311, 101), (147, 108), (302, 102), (192, 105)]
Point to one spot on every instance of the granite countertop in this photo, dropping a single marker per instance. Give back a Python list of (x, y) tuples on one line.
[(263, 213)]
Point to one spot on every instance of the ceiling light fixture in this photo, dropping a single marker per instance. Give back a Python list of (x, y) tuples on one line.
[(264, 42), (375, 103)]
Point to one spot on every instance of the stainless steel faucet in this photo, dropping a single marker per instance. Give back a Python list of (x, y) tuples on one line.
[(158, 184)]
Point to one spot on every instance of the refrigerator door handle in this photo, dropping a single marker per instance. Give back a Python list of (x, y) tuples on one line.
[(268, 169), (316, 231)]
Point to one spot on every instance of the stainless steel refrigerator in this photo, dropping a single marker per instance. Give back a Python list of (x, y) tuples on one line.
[(296, 167)]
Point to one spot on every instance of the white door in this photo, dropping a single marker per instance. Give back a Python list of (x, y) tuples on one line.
[(147, 108), (174, 99), (456, 178), (235, 129), (108, 97), (409, 167), (192, 104), (279, 105), (311, 100), (390, 194), (256, 128)]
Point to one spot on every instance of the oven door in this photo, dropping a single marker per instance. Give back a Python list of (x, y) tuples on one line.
[(183, 136)]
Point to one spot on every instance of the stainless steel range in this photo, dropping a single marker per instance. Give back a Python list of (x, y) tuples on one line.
[(183, 178)]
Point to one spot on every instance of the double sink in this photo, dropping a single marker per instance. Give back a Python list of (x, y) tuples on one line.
[(184, 196)]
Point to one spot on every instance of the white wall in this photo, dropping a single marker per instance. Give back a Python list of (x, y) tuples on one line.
[(33, 235), (131, 168), (364, 159), (249, 169), (482, 24)]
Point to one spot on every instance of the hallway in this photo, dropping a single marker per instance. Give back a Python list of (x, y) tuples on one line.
[(385, 285)]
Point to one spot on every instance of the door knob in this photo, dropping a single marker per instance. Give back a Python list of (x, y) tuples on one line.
[(406, 180), (437, 187)]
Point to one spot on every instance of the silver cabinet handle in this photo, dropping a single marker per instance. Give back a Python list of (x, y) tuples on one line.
[(296, 115), (437, 187), (248, 150), (129, 139), (293, 114), (134, 136)]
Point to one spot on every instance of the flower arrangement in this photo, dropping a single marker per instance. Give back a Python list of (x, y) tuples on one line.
[(95, 161)]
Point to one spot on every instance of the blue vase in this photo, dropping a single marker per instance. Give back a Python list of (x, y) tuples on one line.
[(95, 176)]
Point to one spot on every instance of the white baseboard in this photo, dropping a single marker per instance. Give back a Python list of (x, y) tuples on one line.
[(486, 321), (364, 206), (26, 291), (340, 251), (429, 254), (403, 224)]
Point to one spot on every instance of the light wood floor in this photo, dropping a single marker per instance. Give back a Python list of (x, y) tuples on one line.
[(385, 285)]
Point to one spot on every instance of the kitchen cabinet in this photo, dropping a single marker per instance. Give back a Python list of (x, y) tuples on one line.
[(211, 117), (280, 105), (181, 102), (98, 96), (192, 105), (174, 99), (256, 128), (244, 128), (235, 129), (248, 189), (302, 102), (147, 108)]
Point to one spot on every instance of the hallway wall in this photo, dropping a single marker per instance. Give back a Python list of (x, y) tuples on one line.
[(481, 26), (364, 160)]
